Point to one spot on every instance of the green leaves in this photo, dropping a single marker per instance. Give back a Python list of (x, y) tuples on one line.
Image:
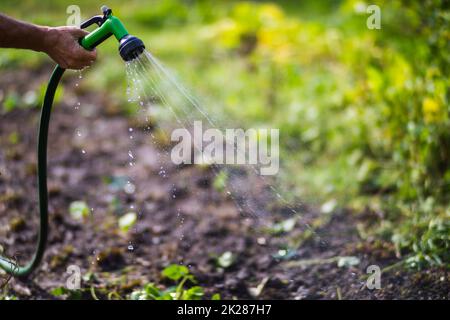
[(175, 272), (193, 293), (180, 275), (11, 102), (70, 294)]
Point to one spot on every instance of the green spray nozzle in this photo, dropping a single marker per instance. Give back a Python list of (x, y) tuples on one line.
[(109, 25)]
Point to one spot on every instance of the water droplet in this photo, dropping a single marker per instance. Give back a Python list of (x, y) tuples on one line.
[(83, 151), (130, 247), (130, 154), (129, 188)]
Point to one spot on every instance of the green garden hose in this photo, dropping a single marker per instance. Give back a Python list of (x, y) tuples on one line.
[(9, 265), (129, 48)]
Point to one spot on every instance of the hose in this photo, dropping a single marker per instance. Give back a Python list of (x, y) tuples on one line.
[(9, 265)]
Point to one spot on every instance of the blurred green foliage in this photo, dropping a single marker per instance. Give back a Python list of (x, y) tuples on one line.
[(364, 114)]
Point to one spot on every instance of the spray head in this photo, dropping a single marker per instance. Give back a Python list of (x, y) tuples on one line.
[(130, 47)]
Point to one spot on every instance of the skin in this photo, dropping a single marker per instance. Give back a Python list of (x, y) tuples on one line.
[(59, 43)]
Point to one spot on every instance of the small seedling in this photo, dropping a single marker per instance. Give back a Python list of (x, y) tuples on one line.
[(70, 294), (79, 210), (226, 260), (127, 221), (180, 275)]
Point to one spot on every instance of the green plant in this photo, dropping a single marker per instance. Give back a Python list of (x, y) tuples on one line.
[(127, 221), (180, 275), (425, 237), (220, 181), (11, 102), (69, 294), (79, 210)]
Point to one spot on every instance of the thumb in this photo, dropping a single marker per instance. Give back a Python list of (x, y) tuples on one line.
[(77, 32)]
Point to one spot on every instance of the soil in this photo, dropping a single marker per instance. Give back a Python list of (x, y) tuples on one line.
[(182, 217)]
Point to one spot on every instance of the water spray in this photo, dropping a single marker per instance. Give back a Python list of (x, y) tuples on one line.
[(130, 48)]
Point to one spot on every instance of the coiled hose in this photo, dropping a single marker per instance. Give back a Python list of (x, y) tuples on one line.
[(9, 265)]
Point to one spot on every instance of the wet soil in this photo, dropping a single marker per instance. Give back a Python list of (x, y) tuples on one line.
[(182, 217)]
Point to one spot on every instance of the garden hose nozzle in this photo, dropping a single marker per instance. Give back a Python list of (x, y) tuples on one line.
[(130, 48)]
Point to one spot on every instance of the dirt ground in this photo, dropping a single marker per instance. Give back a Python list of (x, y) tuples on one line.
[(182, 218)]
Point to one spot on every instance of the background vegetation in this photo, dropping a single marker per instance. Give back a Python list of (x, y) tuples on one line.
[(364, 114)]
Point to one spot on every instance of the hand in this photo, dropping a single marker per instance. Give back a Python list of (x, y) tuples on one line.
[(61, 44)]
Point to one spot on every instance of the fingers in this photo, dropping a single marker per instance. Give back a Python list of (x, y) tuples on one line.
[(89, 55), (79, 59), (66, 50), (77, 32)]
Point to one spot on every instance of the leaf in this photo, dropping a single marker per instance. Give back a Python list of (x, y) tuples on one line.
[(71, 294), (220, 181), (152, 291), (175, 272), (59, 291), (216, 296), (348, 262), (194, 293), (226, 259), (11, 102), (79, 210), (127, 221)]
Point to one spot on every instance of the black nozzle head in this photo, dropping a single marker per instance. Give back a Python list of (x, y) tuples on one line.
[(130, 47)]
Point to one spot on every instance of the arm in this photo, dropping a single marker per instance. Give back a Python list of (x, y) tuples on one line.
[(60, 43)]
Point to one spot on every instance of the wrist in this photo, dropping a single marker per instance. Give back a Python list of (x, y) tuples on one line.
[(45, 39)]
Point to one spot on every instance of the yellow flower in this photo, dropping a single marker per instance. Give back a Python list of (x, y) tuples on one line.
[(432, 110)]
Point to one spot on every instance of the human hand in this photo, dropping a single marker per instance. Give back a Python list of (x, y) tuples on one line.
[(61, 44)]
